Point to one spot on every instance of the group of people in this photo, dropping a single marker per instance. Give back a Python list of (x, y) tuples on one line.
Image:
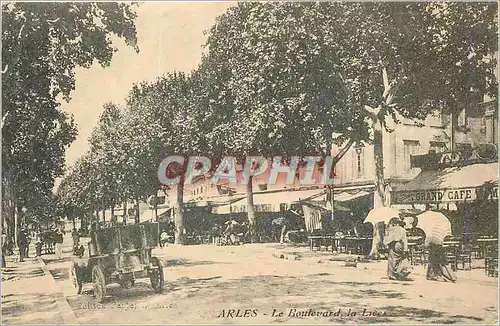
[(398, 264), (235, 232)]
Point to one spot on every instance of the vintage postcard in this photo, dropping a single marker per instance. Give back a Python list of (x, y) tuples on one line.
[(249, 162)]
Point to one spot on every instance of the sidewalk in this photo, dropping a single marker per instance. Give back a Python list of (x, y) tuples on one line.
[(30, 294)]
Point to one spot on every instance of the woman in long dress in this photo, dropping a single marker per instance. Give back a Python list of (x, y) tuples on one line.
[(438, 269), (398, 265)]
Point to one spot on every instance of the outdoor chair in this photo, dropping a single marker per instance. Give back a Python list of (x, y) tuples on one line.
[(417, 255), (491, 261), (464, 257), (476, 250), (338, 242), (451, 256)]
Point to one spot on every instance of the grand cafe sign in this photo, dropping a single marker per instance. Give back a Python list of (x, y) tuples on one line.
[(445, 195)]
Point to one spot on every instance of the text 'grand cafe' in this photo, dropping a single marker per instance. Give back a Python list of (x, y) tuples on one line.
[(462, 185)]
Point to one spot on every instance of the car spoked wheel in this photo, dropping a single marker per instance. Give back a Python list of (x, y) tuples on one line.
[(156, 275), (73, 274), (99, 283)]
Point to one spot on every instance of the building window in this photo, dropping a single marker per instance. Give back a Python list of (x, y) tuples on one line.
[(358, 164), (437, 147), (411, 147)]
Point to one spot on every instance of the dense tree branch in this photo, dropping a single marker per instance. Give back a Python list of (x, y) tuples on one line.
[(387, 86), (343, 151)]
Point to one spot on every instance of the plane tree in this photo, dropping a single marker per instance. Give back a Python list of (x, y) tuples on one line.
[(296, 72), (42, 44)]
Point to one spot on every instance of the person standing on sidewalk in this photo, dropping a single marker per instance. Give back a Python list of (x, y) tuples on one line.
[(398, 265), (38, 243), (58, 243), (76, 237), (28, 242), (22, 243)]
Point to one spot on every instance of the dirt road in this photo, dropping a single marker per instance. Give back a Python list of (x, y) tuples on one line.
[(246, 284)]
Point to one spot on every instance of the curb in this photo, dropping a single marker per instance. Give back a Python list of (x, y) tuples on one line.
[(67, 314)]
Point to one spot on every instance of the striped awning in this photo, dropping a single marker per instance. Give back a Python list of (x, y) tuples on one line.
[(271, 201)]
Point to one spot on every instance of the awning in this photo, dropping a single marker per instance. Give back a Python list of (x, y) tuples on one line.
[(222, 204), (271, 201), (350, 195), (456, 184)]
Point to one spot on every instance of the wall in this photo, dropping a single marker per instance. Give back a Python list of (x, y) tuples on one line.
[(407, 138)]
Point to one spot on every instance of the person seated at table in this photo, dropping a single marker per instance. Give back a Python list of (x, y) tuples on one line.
[(398, 265), (163, 238), (438, 269), (229, 232)]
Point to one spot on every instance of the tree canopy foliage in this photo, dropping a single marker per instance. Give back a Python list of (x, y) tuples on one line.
[(42, 44), (280, 78)]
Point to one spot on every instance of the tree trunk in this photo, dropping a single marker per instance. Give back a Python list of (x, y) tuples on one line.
[(156, 206), (16, 223), (112, 211), (83, 222), (379, 193), (454, 127), (9, 207), (179, 213), (74, 223), (125, 213), (283, 233), (137, 216), (97, 217), (251, 211)]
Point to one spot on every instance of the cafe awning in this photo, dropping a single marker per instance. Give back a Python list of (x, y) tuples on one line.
[(271, 201), (455, 184), (346, 196)]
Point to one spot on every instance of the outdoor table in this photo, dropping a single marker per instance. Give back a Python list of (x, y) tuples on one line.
[(484, 242), (451, 243), (358, 244), (415, 238), (314, 240), (327, 241), (336, 243)]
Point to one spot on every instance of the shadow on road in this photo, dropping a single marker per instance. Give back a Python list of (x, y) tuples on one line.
[(55, 260), (187, 262), (60, 273), (32, 308)]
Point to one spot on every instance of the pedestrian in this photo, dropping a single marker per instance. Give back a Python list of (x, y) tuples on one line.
[(229, 232), (58, 243), (28, 242), (76, 237), (22, 242), (38, 243), (438, 269), (163, 238), (398, 265)]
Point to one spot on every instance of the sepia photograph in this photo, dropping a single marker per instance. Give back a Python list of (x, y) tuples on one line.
[(249, 162)]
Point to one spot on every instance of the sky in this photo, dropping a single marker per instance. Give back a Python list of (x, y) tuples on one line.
[(170, 38)]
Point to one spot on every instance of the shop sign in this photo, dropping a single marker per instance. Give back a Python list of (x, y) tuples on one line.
[(445, 195), (481, 154), (257, 208)]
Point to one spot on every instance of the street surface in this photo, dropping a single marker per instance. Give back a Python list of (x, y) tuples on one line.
[(247, 284)]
